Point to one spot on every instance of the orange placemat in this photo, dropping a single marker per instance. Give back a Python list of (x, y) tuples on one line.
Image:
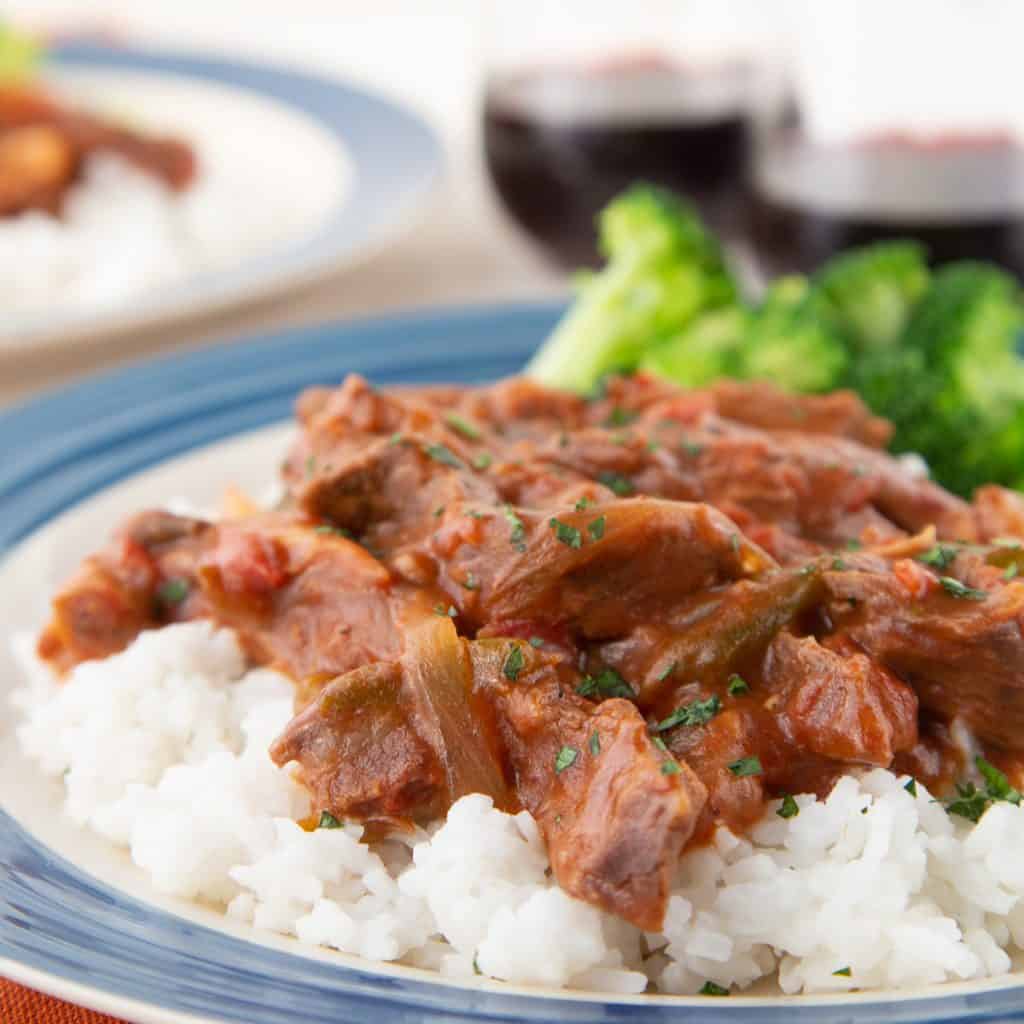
[(24, 1006)]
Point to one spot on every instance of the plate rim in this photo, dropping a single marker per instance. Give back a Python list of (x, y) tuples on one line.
[(324, 346), (310, 257)]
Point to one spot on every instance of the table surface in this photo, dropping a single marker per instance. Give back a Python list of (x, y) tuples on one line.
[(462, 249)]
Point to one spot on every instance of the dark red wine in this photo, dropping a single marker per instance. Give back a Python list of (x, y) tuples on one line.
[(560, 143), (962, 196)]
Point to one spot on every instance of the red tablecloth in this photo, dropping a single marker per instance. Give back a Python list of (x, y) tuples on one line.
[(23, 1006)]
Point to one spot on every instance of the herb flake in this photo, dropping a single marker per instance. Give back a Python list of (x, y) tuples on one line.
[(565, 758), (617, 483), (698, 712), (957, 589), (939, 557), (516, 537), (737, 685), (790, 808), (911, 787), (669, 768), (172, 592), (328, 820), (565, 533), (843, 972), (746, 767), (607, 683), (513, 663), (462, 426), (594, 744), (443, 454), (596, 527), (711, 989)]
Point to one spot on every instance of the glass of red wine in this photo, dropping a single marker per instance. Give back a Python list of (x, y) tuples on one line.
[(584, 99), (897, 121)]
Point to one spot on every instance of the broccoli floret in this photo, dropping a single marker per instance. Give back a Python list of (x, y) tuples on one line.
[(706, 350), (956, 390), (792, 340), (870, 293), (663, 270), (19, 55)]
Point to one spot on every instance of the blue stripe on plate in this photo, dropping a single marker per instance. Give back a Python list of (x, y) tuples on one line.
[(58, 449)]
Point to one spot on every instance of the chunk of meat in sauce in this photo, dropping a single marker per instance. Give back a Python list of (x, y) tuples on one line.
[(614, 810), (602, 568), (838, 704), (311, 604), (396, 744), (963, 653)]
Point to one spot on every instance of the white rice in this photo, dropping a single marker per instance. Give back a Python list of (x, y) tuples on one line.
[(163, 750), (124, 233)]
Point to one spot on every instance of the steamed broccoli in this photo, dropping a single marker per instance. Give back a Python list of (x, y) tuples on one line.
[(870, 293), (792, 341), (957, 392), (709, 348), (19, 55), (663, 269)]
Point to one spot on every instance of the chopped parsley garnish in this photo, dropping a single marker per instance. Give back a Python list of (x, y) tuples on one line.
[(620, 417), (1011, 571), (853, 544), (738, 685), (838, 565), (173, 591), (513, 663), (439, 511), (1007, 542), (711, 989), (616, 483), (957, 589), (939, 557), (334, 531), (669, 768), (565, 758), (997, 785), (746, 766), (536, 641), (328, 820), (971, 802), (473, 514), (396, 438), (698, 712), (666, 672), (653, 446), (692, 449), (310, 465), (450, 612), (789, 809), (594, 744), (518, 529), (471, 582), (568, 535), (911, 787), (660, 744), (843, 972), (607, 683), (583, 504), (596, 528), (483, 460), (441, 453), (462, 426)]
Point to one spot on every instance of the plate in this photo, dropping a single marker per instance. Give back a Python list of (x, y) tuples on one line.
[(76, 919), (345, 171)]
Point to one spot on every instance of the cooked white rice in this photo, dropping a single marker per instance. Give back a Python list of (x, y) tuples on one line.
[(124, 233), (163, 749)]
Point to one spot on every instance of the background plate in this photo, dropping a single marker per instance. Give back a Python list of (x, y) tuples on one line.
[(76, 919), (366, 165)]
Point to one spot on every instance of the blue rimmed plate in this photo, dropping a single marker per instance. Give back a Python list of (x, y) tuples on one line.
[(333, 170), (76, 919)]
